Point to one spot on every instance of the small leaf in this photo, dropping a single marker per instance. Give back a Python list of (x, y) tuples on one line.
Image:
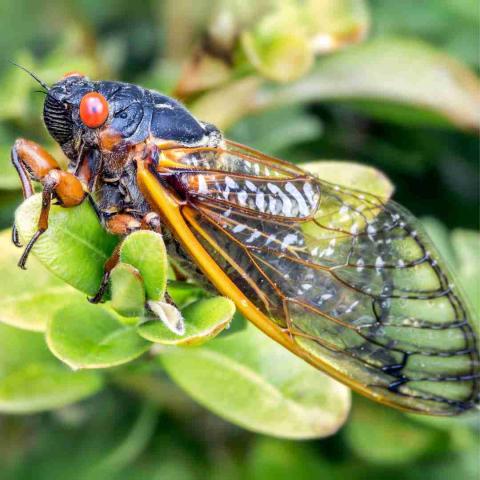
[(283, 56), (127, 290), (203, 320), (90, 336), (75, 245), (255, 383), (405, 81), (28, 299), (352, 175), (146, 251), (32, 380)]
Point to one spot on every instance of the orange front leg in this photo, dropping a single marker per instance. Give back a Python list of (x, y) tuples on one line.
[(33, 162)]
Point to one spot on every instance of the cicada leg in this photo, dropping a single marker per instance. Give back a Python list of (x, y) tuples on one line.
[(33, 162), (110, 264), (123, 224)]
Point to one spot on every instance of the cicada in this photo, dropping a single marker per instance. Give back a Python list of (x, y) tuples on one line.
[(346, 280)]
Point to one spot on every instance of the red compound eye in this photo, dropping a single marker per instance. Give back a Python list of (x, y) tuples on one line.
[(93, 109)]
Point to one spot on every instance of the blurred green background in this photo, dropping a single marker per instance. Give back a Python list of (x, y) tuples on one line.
[(392, 84)]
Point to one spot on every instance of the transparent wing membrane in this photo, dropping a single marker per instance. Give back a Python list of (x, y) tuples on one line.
[(350, 277)]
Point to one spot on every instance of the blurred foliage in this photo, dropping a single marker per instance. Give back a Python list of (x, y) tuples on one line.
[(385, 83)]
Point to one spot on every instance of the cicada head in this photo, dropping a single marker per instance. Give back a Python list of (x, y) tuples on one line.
[(111, 116)]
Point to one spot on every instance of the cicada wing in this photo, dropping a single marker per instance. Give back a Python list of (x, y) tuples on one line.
[(351, 278)]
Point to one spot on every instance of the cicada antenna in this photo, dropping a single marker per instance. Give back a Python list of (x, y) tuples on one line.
[(38, 80)]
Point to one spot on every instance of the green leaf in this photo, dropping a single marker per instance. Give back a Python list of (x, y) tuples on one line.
[(466, 244), (406, 81), (75, 246), (90, 336), (127, 290), (352, 175), (374, 432), (146, 251), (253, 382), (281, 44), (28, 299), (32, 380), (283, 55), (204, 320)]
